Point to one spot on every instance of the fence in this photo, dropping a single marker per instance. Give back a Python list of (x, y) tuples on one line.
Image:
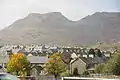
[(27, 78), (43, 77), (40, 77), (85, 78)]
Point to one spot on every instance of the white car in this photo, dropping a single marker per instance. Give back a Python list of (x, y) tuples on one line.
[(6, 76)]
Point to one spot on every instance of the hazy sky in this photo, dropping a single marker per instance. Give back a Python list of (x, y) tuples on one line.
[(11, 10)]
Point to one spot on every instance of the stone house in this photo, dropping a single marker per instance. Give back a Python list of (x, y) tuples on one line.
[(79, 64), (86, 63), (37, 64)]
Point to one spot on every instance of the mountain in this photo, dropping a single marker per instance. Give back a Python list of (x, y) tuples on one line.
[(55, 28)]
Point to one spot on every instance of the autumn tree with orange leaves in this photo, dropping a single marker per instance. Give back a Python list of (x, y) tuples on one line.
[(18, 64)]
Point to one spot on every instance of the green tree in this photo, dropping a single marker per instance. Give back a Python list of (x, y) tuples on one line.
[(85, 73), (65, 74), (55, 65), (99, 68), (18, 64), (113, 65)]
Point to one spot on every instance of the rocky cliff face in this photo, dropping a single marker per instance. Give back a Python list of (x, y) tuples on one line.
[(55, 28)]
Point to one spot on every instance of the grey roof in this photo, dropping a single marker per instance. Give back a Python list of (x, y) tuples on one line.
[(87, 60), (4, 59), (95, 60), (90, 62), (37, 59), (32, 59), (100, 60)]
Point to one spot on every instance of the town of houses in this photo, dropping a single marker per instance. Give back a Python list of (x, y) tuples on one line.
[(38, 55)]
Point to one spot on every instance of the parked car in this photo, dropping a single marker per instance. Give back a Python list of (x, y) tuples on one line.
[(6, 76)]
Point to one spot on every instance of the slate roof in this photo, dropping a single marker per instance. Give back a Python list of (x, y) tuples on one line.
[(37, 59), (87, 60), (90, 62), (32, 59), (95, 60), (100, 60), (4, 59), (66, 57)]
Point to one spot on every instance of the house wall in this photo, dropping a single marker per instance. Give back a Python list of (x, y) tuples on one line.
[(37, 69), (80, 65)]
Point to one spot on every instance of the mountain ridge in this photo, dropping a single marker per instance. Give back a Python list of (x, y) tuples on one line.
[(55, 28)]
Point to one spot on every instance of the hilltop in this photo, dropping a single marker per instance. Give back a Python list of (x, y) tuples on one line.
[(55, 28)]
